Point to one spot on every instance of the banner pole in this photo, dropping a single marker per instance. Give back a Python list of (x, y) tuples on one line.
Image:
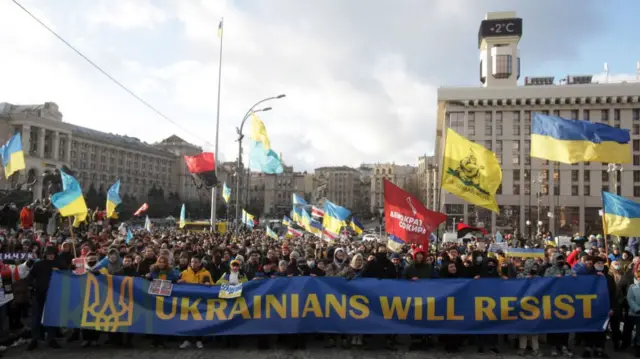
[(214, 197)]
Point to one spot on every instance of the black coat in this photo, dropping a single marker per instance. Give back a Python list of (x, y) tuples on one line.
[(381, 268)]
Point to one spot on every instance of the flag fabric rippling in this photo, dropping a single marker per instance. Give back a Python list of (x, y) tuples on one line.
[(113, 199), (12, 155)]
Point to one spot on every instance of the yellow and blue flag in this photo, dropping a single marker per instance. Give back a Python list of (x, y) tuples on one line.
[(247, 219), (79, 218), (183, 216), (296, 215), (311, 225), (12, 155), (621, 216), (335, 217), (571, 141), (272, 234), (226, 193), (470, 171), (261, 155), (129, 236), (525, 252), (70, 202), (113, 199), (286, 221), (356, 226), (298, 200)]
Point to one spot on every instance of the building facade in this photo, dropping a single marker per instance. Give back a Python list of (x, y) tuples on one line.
[(428, 181), (273, 194), (405, 177), (535, 194), (98, 158), (344, 186)]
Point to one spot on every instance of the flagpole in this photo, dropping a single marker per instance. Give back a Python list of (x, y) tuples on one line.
[(214, 197)]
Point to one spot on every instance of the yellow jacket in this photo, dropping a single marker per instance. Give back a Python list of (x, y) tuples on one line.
[(201, 277)]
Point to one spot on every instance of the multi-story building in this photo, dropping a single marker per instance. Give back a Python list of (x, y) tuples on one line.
[(428, 181), (405, 177), (273, 194), (98, 158), (343, 186), (565, 199)]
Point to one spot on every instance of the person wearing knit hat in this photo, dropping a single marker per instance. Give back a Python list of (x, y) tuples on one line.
[(234, 275)]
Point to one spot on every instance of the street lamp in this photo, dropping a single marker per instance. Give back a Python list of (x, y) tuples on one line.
[(615, 168), (240, 137), (529, 228)]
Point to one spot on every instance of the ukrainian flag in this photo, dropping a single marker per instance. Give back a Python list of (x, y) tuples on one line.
[(356, 226), (183, 216), (621, 216), (226, 193), (310, 225), (335, 217), (261, 156), (247, 219), (78, 219), (113, 199), (272, 234), (12, 155), (296, 214), (525, 252), (286, 221), (298, 200), (571, 141), (70, 202)]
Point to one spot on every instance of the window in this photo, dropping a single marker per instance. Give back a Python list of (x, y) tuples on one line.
[(636, 145), (527, 150), (635, 114), (636, 129), (499, 151), (516, 123), (574, 190), (636, 191), (574, 114), (488, 145), (605, 188), (556, 113), (456, 121), (516, 188), (605, 176), (636, 176), (587, 176), (527, 122), (499, 123), (616, 115), (636, 160), (516, 153), (586, 190), (471, 124), (503, 67), (516, 175), (585, 115), (575, 175), (488, 123), (604, 115), (545, 112)]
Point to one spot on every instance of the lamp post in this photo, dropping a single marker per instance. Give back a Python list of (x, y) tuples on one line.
[(614, 168), (529, 229), (240, 137)]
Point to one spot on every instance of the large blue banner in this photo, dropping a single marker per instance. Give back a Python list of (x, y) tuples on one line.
[(331, 305)]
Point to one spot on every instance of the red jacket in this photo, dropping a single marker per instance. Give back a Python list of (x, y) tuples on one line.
[(26, 218)]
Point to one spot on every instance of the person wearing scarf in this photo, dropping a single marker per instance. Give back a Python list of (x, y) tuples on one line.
[(234, 276)]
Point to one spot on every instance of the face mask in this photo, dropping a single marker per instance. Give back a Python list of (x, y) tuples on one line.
[(478, 260), (636, 281), (599, 267), (311, 264), (616, 267)]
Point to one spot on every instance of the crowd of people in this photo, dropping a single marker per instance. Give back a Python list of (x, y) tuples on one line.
[(213, 258)]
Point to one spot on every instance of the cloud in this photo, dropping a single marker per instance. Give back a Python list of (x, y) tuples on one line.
[(360, 76)]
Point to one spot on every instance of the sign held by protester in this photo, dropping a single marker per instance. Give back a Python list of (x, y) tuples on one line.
[(230, 291), (160, 287), (331, 305)]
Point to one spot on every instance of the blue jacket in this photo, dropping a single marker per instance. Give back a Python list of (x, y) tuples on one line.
[(633, 299)]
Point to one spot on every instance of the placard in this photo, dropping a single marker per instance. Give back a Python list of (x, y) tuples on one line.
[(495, 247), (79, 265), (161, 287), (230, 291)]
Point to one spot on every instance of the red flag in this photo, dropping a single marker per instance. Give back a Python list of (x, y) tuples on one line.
[(407, 218), (203, 166), (142, 208), (463, 229)]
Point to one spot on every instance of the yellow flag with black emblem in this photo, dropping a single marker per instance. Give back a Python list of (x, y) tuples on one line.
[(470, 171)]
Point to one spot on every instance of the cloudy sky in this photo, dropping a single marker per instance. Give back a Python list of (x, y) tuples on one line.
[(360, 75)]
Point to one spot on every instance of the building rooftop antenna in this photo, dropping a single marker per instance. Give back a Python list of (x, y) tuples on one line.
[(638, 70), (606, 73)]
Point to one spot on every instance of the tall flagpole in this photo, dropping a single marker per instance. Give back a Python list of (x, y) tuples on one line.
[(214, 189)]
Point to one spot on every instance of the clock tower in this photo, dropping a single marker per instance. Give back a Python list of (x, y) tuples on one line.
[(498, 39)]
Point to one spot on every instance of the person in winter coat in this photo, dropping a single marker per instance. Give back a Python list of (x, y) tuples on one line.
[(633, 299), (379, 266), (195, 274), (40, 277), (559, 342), (314, 270), (234, 276), (531, 270), (595, 341), (452, 256), (490, 269), (338, 263), (451, 342), (144, 267), (419, 269), (26, 218), (354, 270)]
